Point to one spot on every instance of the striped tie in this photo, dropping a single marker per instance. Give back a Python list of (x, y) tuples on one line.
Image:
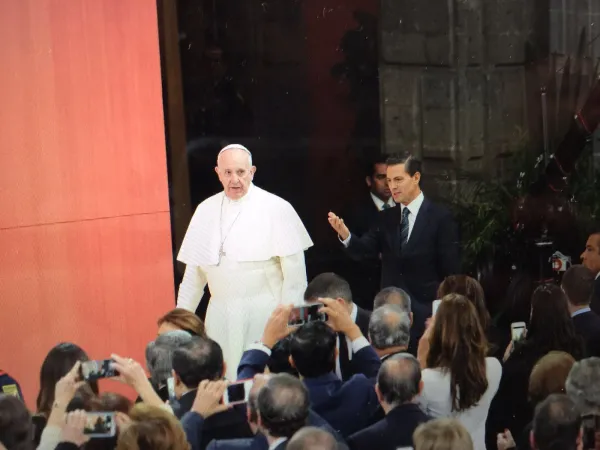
[(404, 226)]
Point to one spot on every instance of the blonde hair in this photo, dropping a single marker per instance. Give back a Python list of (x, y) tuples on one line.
[(549, 376), (442, 434), (152, 428)]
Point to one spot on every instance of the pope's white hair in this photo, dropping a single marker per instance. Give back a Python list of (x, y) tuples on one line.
[(235, 147)]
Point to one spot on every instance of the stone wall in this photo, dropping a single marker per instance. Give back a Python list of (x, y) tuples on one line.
[(453, 79)]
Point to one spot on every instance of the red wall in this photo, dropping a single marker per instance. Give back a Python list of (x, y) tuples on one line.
[(85, 250)]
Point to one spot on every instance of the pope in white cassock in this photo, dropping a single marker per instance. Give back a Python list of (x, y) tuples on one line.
[(248, 245)]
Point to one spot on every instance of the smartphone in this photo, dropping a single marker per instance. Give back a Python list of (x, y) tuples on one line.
[(307, 313), (95, 370), (590, 425), (100, 424), (435, 306), (516, 330), (238, 392), (171, 390)]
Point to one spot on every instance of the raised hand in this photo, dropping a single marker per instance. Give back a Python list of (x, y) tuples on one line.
[(339, 226)]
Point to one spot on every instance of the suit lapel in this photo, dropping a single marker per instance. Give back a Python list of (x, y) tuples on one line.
[(420, 223)]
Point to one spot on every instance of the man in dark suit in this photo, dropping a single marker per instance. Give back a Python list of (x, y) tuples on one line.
[(590, 258), (418, 239), (332, 286), (199, 360), (346, 406), (398, 385), (259, 441), (578, 285), (365, 276)]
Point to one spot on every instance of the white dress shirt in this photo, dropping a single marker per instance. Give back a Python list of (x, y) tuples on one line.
[(338, 369), (413, 207), (379, 203), (275, 443)]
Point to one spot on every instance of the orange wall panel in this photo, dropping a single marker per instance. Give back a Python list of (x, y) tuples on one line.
[(81, 118), (85, 245)]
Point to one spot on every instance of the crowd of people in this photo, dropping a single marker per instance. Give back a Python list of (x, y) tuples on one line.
[(360, 380)]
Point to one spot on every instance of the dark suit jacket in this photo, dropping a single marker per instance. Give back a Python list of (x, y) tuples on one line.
[(362, 320), (595, 304), (259, 442), (393, 432), (229, 424), (588, 326), (431, 253), (346, 406)]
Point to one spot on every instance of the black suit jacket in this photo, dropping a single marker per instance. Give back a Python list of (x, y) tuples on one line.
[(392, 432), (431, 253), (347, 368), (229, 424), (588, 326), (595, 304), (362, 320)]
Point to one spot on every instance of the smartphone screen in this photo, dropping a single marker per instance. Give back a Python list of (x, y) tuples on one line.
[(100, 424), (307, 313), (237, 393), (435, 306), (516, 330), (95, 370)]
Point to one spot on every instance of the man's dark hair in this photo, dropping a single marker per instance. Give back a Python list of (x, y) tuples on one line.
[(328, 285), (578, 284), (313, 349), (200, 359), (279, 361), (392, 295), (283, 405), (312, 438), (369, 165), (412, 165), (556, 424), (16, 426), (398, 379)]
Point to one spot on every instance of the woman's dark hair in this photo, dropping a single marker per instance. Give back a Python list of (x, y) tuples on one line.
[(551, 326), (59, 361), (459, 346), (469, 288), (16, 427)]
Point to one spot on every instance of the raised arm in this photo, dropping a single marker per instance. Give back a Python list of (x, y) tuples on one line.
[(358, 247), (191, 288)]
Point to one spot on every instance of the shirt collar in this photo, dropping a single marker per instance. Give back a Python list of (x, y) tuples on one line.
[(597, 275), (581, 311), (379, 203), (277, 442), (354, 312), (415, 205)]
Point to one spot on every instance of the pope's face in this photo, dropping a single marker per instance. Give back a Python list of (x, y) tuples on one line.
[(235, 172)]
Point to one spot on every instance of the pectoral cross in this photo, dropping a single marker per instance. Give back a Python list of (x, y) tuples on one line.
[(221, 253)]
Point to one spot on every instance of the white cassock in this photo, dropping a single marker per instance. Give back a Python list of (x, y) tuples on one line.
[(251, 253)]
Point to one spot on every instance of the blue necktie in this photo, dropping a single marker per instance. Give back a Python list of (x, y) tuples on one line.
[(385, 206), (404, 226)]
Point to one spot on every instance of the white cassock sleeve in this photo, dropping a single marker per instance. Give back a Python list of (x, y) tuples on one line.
[(294, 278), (191, 288)]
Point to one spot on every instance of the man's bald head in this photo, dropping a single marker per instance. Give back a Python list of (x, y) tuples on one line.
[(235, 170), (312, 438), (399, 379), (392, 296)]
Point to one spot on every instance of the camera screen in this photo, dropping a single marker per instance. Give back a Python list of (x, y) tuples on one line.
[(236, 393), (99, 423), (94, 370), (305, 314)]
